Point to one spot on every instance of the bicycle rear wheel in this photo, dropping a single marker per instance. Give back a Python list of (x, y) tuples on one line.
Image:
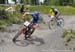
[(61, 22)]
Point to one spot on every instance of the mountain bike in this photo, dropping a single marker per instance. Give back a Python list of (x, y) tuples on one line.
[(53, 23), (28, 30)]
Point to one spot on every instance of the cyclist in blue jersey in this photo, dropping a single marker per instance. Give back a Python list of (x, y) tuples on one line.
[(35, 17), (34, 21)]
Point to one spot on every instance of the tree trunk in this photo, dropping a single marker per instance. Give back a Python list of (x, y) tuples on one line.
[(7, 2)]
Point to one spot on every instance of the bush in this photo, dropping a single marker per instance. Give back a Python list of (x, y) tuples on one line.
[(7, 18), (68, 35), (3, 14)]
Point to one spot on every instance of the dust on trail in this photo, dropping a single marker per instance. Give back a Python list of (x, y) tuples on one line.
[(44, 39)]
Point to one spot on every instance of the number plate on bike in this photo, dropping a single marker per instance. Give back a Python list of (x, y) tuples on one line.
[(26, 23)]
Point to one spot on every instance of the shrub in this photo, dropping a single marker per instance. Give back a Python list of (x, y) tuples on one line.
[(68, 35)]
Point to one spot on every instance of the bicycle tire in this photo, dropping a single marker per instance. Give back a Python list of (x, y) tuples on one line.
[(51, 26), (62, 22)]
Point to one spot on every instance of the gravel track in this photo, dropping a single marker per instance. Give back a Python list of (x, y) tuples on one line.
[(43, 39)]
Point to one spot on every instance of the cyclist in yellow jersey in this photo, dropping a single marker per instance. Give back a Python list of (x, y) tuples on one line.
[(53, 13)]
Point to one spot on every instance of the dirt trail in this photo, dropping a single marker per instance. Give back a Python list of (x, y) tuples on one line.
[(43, 39)]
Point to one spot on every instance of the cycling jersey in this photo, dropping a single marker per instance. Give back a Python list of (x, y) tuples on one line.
[(53, 12), (33, 14)]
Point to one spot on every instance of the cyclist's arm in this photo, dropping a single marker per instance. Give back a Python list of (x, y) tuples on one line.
[(50, 12), (58, 13), (24, 15)]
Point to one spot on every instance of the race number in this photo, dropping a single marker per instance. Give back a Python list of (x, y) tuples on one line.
[(26, 23)]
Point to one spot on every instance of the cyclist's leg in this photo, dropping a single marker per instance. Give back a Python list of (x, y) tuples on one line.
[(34, 26), (23, 29), (52, 20), (58, 20)]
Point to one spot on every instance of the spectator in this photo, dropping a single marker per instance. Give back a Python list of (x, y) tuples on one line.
[(22, 9)]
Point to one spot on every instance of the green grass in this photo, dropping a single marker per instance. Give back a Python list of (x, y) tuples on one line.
[(41, 9), (64, 10)]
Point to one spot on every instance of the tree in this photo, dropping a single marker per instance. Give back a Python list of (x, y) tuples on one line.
[(2, 1), (7, 1), (26, 1), (34, 2), (66, 2), (15, 1), (46, 2)]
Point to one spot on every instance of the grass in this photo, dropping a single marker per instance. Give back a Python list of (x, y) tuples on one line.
[(64, 10)]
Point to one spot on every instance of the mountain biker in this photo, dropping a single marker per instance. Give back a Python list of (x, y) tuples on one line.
[(34, 20), (54, 12)]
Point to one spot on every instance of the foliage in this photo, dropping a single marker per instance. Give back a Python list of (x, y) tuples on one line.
[(11, 18), (1, 1), (3, 14), (46, 2), (68, 35), (7, 18), (66, 2)]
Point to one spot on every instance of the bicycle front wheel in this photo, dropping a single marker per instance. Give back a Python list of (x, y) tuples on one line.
[(52, 24)]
